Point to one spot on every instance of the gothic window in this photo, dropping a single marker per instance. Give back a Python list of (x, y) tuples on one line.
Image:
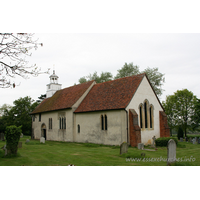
[(145, 114), (151, 116)]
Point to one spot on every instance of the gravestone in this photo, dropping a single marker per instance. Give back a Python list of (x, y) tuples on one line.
[(194, 141), (199, 140), (140, 146), (27, 141), (171, 151), (20, 145), (42, 140), (186, 139), (21, 136), (181, 139), (154, 139), (123, 148)]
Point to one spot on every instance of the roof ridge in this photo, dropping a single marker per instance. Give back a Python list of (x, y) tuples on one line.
[(142, 74)]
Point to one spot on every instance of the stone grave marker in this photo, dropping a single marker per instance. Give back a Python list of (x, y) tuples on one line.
[(181, 139), (123, 148), (194, 141), (199, 140), (21, 136), (42, 140), (140, 146), (154, 139), (27, 141), (171, 151)]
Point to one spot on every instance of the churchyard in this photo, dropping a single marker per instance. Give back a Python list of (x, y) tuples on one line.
[(52, 153)]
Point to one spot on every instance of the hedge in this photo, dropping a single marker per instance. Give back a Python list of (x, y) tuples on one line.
[(163, 141)]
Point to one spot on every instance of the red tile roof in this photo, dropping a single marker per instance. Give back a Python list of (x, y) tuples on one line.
[(111, 95), (63, 99)]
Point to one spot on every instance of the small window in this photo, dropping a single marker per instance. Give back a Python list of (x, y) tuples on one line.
[(64, 125), (50, 123), (33, 118), (40, 117), (105, 122), (79, 128), (102, 122), (60, 123)]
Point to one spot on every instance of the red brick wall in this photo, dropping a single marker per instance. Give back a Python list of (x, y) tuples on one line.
[(134, 129), (164, 128)]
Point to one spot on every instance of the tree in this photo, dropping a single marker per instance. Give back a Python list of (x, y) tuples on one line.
[(105, 76), (41, 98), (14, 47), (156, 78), (196, 116), (19, 114), (127, 70), (180, 109)]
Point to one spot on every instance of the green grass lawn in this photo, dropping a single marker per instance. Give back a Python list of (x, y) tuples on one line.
[(84, 154)]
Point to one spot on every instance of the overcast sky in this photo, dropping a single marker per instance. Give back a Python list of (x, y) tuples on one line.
[(73, 56)]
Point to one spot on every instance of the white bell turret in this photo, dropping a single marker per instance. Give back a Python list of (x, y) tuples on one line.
[(53, 86)]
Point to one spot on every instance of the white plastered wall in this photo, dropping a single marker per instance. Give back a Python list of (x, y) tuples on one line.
[(90, 127), (144, 92), (55, 133)]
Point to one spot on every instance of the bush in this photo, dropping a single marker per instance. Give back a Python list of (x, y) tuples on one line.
[(163, 141), (12, 136)]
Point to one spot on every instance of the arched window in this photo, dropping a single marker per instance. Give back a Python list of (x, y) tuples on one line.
[(141, 121), (151, 116), (145, 114), (79, 128), (102, 122), (106, 122)]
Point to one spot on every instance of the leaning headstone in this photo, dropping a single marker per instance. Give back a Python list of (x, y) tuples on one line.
[(140, 146), (27, 141), (21, 136), (42, 140), (20, 145), (123, 148), (171, 151), (154, 139), (181, 139)]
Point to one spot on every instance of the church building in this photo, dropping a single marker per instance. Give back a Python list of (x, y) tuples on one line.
[(122, 110)]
